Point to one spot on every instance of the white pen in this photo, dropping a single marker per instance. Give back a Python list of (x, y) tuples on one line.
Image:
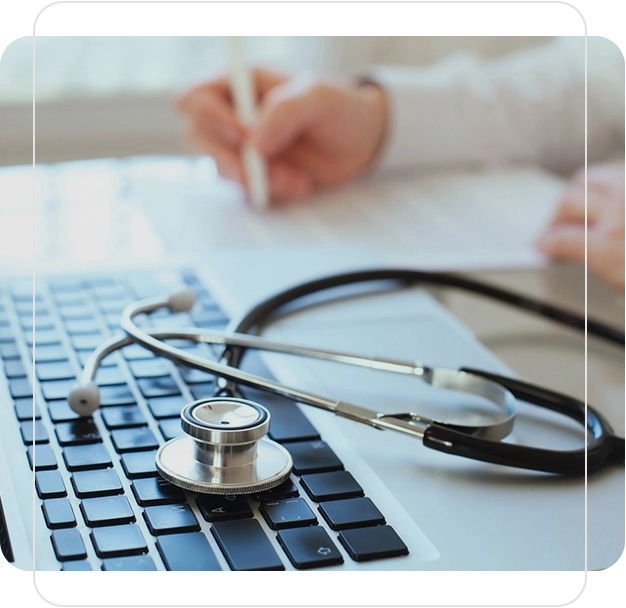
[(244, 96)]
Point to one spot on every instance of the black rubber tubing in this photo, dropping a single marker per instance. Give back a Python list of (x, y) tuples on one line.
[(605, 448)]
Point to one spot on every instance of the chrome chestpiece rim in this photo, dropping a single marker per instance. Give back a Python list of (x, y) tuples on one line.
[(224, 449)]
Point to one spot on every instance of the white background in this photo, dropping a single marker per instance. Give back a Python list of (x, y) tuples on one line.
[(603, 17)]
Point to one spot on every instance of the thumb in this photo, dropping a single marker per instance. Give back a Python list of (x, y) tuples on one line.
[(564, 243), (285, 113)]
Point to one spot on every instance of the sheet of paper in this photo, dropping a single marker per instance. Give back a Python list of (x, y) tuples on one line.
[(451, 220), (146, 208)]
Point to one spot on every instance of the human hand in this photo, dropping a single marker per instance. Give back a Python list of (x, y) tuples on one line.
[(564, 238), (311, 133)]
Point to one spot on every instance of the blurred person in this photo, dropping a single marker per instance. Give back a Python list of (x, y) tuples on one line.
[(525, 107)]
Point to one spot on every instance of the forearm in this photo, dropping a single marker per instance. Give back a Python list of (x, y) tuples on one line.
[(528, 107)]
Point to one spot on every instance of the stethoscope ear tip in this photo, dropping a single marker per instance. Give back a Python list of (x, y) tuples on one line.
[(181, 301), (84, 399)]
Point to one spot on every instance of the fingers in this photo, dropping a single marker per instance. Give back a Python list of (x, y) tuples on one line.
[(287, 182), (216, 131), (226, 159), (210, 110), (571, 208), (284, 115), (564, 243)]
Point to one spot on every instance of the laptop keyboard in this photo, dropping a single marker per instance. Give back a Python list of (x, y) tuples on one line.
[(98, 489)]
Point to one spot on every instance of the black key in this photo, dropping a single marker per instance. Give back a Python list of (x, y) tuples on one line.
[(313, 457), (153, 491), (199, 391), (58, 513), (102, 280), (6, 335), (187, 552), (70, 297), (48, 354), (149, 368), (77, 433), (117, 541), (110, 376), (9, 351), (44, 457), (24, 409), (223, 508), (196, 376), (167, 407), (113, 320), (68, 544), (47, 337), (90, 484), (287, 489), (41, 322), (49, 484), (116, 395), (209, 318), (82, 326), (22, 291), (158, 387), (288, 422), (106, 293), (309, 547), (20, 387), (351, 513), (107, 511), (135, 352), (202, 350), (14, 369), (86, 341), (33, 433), (170, 519), (57, 389), (25, 307), (77, 566), (55, 370), (65, 285), (331, 486), (170, 428), (287, 513), (134, 440), (114, 307), (82, 457), (75, 311), (137, 465), (133, 563), (83, 355), (379, 542), (123, 417), (245, 545), (60, 411)]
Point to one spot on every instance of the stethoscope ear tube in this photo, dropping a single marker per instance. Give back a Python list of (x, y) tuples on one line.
[(604, 447)]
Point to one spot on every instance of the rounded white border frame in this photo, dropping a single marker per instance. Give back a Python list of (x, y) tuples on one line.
[(584, 22)]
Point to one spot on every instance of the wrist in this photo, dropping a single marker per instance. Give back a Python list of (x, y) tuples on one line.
[(375, 100)]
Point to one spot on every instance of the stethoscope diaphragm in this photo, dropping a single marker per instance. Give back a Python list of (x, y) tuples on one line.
[(224, 449)]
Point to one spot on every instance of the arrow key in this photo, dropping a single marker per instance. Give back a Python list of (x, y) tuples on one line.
[(309, 547)]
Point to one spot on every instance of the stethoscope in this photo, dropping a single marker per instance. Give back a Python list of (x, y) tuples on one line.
[(225, 450)]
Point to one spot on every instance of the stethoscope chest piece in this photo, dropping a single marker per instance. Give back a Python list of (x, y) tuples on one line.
[(224, 449)]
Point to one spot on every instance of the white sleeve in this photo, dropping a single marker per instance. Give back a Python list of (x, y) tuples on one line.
[(527, 107)]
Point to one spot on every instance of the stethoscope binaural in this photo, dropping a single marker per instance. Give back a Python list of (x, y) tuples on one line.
[(225, 449)]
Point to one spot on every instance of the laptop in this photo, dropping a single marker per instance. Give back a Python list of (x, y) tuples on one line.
[(358, 499)]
